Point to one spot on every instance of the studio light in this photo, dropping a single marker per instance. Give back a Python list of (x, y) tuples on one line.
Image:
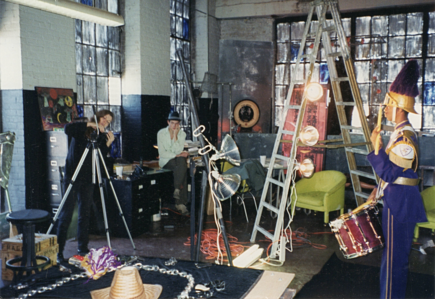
[(306, 168), (314, 91), (309, 135), (224, 185), (229, 151)]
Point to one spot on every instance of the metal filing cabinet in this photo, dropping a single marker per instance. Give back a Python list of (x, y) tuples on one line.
[(57, 149)]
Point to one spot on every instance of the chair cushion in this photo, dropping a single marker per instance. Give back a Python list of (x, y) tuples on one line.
[(430, 215), (312, 198)]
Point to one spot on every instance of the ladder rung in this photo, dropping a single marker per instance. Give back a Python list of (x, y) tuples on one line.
[(351, 128), (329, 28), (264, 232), (276, 182), (345, 103), (335, 54), (288, 132), (361, 194), (298, 107), (364, 174), (270, 207), (356, 150), (340, 79), (281, 157)]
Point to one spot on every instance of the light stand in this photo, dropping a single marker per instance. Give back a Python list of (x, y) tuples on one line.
[(96, 156), (195, 123)]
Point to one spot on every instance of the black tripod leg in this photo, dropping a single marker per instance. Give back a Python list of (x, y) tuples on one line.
[(65, 196), (103, 203), (116, 199), (201, 213), (192, 210)]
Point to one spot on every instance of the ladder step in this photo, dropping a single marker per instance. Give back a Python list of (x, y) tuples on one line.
[(288, 132), (270, 207), (263, 231), (335, 54), (297, 107), (361, 194), (345, 103), (356, 151), (364, 174), (329, 28), (340, 79), (276, 182), (282, 157), (351, 128)]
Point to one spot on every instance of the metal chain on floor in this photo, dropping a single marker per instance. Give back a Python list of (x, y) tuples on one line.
[(183, 295)]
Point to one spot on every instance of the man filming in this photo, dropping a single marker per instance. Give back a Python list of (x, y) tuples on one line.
[(81, 133)]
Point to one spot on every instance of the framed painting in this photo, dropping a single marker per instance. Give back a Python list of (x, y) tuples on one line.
[(58, 106)]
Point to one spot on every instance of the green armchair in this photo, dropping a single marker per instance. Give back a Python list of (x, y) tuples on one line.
[(323, 192), (428, 196)]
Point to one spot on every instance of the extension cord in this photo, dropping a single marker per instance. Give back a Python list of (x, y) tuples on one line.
[(248, 257)]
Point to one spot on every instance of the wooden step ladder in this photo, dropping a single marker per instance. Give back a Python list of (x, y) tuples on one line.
[(325, 27)]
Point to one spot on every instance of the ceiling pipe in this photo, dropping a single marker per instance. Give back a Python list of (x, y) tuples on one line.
[(74, 10)]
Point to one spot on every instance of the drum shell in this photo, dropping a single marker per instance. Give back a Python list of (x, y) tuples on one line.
[(358, 233)]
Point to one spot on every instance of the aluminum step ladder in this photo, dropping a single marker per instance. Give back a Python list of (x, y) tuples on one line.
[(326, 27)]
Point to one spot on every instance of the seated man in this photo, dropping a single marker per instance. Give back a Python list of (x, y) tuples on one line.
[(170, 141)]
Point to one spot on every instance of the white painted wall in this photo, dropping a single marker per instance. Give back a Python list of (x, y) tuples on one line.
[(10, 47), (147, 44), (47, 49)]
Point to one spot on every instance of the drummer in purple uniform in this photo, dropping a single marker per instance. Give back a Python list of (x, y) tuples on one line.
[(396, 166)]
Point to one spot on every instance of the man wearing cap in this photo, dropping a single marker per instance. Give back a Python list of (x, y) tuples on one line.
[(396, 166), (170, 141)]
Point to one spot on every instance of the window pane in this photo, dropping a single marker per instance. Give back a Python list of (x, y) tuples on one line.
[(396, 47), (431, 28), (101, 35), (115, 125), (114, 63), (413, 46), (429, 93), (179, 27), (179, 8), (113, 36), (297, 30), (363, 26), (79, 79), (281, 74), (362, 71), (186, 12), (362, 48), (114, 91), (415, 23), (282, 52), (397, 24), (394, 67), (430, 70), (88, 59), (79, 54), (102, 62), (89, 90), (112, 6), (283, 32), (102, 90), (280, 94), (431, 45), (88, 33), (429, 117), (380, 25), (78, 31), (173, 25), (101, 4)]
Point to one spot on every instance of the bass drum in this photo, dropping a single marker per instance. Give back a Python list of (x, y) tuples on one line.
[(358, 232)]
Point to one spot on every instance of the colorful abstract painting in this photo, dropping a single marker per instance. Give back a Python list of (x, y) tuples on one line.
[(58, 106)]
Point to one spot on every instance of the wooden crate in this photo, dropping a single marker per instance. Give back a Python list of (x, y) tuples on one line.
[(50, 252), (42, 242)]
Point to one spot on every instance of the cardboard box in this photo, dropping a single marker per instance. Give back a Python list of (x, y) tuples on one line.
[(42, 242), (50, 252)]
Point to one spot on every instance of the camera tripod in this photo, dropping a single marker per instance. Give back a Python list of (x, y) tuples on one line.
[(96, 156)]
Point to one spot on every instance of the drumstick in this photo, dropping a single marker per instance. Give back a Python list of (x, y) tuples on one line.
[(379, 126)]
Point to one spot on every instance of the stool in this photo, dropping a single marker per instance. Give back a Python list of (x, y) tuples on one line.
[(27, 218)]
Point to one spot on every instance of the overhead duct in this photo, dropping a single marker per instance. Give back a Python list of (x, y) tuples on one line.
[(74, 10)]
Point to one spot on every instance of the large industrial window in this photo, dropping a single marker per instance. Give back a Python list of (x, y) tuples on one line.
[(381, 43), (180, 41), (98, 65)]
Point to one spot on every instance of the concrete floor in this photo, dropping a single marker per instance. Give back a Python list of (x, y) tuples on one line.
[(166, 238), (304, 261)]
